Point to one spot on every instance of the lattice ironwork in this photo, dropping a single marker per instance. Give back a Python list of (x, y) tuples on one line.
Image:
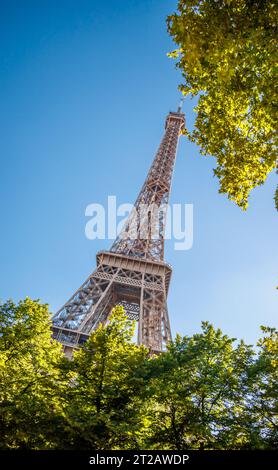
[(132, 273), (154, 194)]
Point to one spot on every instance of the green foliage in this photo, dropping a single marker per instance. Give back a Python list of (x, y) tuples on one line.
[(105, 409), (205, 392), (262, 404), (198, 395), (228, 57), (31, 386)]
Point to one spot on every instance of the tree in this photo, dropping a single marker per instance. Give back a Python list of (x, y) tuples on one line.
[(261, 416), (31, 383), (198, 389), (227, 52), (204, 392), (105, 405)]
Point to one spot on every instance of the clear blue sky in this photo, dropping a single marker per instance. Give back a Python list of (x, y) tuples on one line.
[(85, 86)]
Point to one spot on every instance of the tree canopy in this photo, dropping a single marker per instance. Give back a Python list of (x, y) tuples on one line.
[(104, 402), (207, 391), (32, 385), (227, 52)]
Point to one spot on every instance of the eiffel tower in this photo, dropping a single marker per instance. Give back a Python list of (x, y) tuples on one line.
[(133, 272)]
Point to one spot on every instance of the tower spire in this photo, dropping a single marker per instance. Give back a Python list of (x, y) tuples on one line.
[(133, 272), (181, 104), (143, 234)]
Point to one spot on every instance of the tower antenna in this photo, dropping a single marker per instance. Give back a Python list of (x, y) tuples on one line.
[(181, 104)]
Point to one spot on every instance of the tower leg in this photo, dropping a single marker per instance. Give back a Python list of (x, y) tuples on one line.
[(140, 286), (154, 325)]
